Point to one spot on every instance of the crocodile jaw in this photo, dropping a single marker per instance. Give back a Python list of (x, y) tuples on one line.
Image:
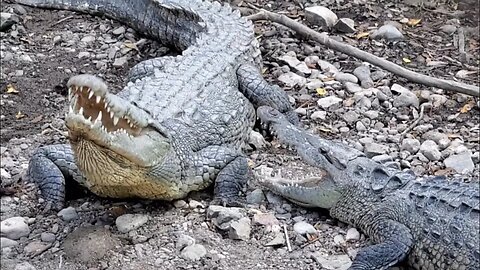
[(113, 123), (319, 192)]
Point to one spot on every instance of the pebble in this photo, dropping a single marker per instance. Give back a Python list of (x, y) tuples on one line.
[(256, 139), (410, 145), (339, 239), (180, 204), (374, 149), (240, 229), (120, 62), (222, 217), (265, 219), (82, 55), (5, 242), (346, 77), (194, 252), (462, 163), (406, 97), (350, 117), (388, 32), (320, 16), (278, 240), (448, 28), (313, 84), (35, 248), (4, 174), (24, 266), (129, 222), (359, 126), (352, 235), (48, 237), (195, 204), (430, 150), (120, 30), (88, 39), (14, 228), (184, 241), (345, 25), (332, 262), (291, 79), (329, 101), (319, 115), (352, 88), (303, 228), (327, 67), (301, 111), (362, 72), (291, 59), (68, 214), (256, 197)]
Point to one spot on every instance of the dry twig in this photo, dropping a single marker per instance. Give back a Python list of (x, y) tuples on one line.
[(289, 246), (415, 123), (323, 38)]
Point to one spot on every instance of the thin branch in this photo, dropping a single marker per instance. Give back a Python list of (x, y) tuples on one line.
[(323, 38), (287, 238)]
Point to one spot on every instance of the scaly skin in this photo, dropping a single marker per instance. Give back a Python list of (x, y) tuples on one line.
[(180, 123), (429, 223)]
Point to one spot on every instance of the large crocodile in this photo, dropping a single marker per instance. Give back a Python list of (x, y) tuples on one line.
[(179, 124), (428, 223)]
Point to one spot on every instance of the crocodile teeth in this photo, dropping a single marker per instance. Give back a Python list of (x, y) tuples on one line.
[(90, 94), (111, 113), (80, 111), (108, 109), (89, 119), (115, 120), (97, 99), (106, 106), (99, 117), (70, 109)]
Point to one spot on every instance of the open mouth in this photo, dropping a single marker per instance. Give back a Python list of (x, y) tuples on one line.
[(97, 111)]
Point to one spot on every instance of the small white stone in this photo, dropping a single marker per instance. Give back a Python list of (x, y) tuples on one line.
[(352, 235), (14, 228), (303, 228)]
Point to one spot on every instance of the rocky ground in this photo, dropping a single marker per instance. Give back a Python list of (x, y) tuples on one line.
[(336, 95)]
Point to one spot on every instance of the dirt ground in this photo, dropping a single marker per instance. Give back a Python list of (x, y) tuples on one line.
[(46, 47)]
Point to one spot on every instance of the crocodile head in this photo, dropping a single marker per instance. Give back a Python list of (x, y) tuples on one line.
[(319, 191), (109, 135)]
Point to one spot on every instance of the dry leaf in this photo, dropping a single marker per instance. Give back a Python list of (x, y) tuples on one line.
[(406, 60), (19, 115), (264, 70), (321, 91), (362, 35), (467, 107), (413, 22), (11, 89)]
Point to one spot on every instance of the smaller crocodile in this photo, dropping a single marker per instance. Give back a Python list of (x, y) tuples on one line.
[(428, 223)]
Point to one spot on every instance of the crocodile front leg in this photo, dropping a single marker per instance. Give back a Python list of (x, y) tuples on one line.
[(49, 168), (227, 167), (147, 68), (260, 93)]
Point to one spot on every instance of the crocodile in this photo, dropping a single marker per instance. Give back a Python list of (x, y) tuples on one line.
[(180, 123), (424, 222)]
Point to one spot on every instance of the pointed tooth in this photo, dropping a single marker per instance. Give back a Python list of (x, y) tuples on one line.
[(131, 125), (111, 115), (105, 105), (115, 120), (70, 109), (98, 98), (90, 94), (99, 117), (77, 88), (108, 108), (69, 93), (80, 111), (89, 118)]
